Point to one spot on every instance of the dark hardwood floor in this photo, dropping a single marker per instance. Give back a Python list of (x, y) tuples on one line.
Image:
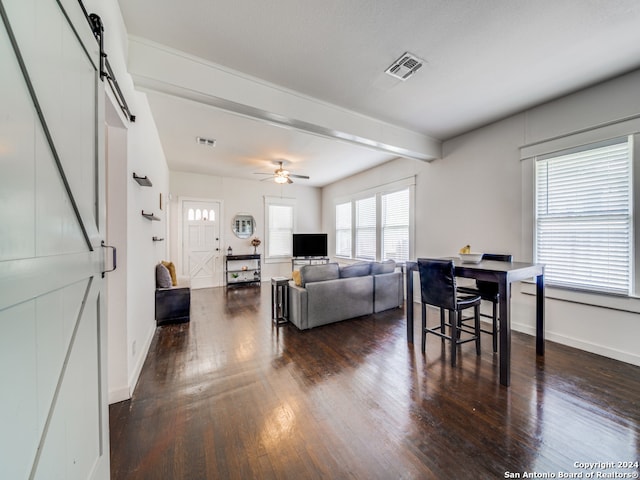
[(229, 396)]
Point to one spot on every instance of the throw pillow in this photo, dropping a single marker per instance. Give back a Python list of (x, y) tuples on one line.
[(355, 270), (172, 271), (319, 273), (297, 279), (388, 266), (163, 278)]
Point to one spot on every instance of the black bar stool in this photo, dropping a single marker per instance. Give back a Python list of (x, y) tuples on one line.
[(488, 291), (438, 288)]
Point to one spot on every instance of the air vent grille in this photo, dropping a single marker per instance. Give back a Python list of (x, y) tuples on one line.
[(207, 142), (405, 66)]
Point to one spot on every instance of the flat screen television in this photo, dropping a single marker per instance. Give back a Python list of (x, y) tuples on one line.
[(309, 244)]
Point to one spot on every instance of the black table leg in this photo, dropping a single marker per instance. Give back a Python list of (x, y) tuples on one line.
[(409, 268), (540, 315), (504, 288)]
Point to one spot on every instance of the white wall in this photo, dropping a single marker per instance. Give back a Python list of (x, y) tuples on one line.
[(242, 196), (479, 193), (143, 155)]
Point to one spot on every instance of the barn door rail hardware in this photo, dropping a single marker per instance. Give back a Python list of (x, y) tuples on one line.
[(106, 72)]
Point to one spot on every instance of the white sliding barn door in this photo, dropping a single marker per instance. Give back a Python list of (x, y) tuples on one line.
[(53, 406)]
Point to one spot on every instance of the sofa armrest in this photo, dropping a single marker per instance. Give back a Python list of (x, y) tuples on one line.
[(298, 301), (388, 291)]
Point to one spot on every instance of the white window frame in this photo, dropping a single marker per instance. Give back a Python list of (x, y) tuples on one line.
[(528, 153), (279, 202)]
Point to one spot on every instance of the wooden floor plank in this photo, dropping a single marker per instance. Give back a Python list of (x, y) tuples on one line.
[(229, 395)]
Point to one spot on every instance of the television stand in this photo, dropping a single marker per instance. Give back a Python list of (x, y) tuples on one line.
[(308, 261)]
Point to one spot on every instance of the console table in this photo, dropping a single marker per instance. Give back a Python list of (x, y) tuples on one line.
[(242, 270)]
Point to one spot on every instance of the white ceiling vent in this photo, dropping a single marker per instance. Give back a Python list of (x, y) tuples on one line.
[(207, 142), (405, 66)]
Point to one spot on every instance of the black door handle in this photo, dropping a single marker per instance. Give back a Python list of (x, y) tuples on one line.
[(113, 249)]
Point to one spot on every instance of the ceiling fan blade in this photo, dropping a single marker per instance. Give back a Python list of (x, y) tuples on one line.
[(289, 180), (299, 176), (262, 173)]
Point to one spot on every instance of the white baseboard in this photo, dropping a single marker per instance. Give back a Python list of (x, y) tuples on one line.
[(135, 374), (608, 352), (125, 392), (119, 394), (631, 358)]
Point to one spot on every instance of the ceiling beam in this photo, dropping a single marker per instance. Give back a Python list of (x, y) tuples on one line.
[(160, 68)]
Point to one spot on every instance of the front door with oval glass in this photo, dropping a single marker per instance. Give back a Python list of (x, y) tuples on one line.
[(201, 243)]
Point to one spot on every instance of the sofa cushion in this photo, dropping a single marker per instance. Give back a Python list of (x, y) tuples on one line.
[(388, 266), (355, 270), (319, 273), (297, 279), (163, 277)]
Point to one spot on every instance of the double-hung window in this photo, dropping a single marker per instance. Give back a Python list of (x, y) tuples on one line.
[(395, 226), (343, 229), (584, 218), (366, 228)]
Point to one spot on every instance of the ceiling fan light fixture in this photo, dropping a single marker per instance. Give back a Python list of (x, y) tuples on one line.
[(281, 177)]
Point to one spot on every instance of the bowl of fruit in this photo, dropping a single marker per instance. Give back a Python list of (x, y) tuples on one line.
[(467, 256)]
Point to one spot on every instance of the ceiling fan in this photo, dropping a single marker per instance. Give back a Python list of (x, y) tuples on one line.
[(280, 175)]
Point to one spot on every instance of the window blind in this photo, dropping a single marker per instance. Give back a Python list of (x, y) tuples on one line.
[(583, 217), (366, 228), (343, 230), (395, 226), (280, 235)]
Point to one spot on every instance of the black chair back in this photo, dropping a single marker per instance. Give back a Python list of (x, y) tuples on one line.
[(491, 287), (438, 283)]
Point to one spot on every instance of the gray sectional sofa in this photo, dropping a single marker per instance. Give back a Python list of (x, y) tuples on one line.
[(331, 293)]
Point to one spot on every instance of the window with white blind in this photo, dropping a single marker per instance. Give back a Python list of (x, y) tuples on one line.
[(343, 230), (279, 219), (366, 228), (395, 226), (583, 217)]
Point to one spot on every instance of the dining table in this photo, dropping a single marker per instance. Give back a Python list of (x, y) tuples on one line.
[(504, 274)]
